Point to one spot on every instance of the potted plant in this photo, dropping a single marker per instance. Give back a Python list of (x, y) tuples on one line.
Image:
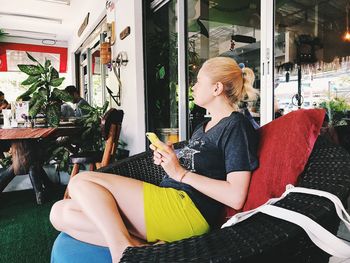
[(46, 98), (91, 137), (90, 140), (337, 109)]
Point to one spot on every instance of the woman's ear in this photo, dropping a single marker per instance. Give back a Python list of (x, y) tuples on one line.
[(218, 88)]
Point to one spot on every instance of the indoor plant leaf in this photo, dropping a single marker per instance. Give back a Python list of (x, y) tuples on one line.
[(30, 80), (31, 57), (61, 95), (56, 82), (41, 68), (36, 96), (86, 108), (47, 64), (31, 90), (105, 106), (37, 107), (31, 70), (53, 112), (54, 73)]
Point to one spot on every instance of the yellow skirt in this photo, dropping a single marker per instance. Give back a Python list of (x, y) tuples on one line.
[(171, 215)]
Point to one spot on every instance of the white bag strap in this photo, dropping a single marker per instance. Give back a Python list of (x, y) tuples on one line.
[(244, 215), (342, 214), (320, 236)]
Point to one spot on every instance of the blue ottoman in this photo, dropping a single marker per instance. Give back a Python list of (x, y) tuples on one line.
[(69, 250)]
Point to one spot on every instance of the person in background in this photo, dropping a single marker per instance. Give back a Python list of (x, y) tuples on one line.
[(67, 111), (3, 103), (79, 101)]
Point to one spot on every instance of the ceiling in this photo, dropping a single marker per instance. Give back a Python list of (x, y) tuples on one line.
[(55, 20)]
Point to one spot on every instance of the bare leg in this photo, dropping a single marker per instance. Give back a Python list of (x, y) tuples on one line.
[(66, 216), (102, 198)]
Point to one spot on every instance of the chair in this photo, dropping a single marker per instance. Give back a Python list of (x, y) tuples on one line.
[(110, 131), (260, 238)]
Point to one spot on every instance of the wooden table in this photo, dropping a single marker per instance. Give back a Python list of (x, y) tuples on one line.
[(28, 149)]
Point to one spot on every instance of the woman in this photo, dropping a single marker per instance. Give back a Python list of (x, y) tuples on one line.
[(212, 170)]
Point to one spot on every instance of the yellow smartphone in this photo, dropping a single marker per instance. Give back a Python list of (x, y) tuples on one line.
[(153, 138)]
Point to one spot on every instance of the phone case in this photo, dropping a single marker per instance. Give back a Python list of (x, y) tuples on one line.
[(154, 140)]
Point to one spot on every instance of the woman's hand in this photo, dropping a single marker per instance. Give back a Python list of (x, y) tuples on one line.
[(157, 157), (168, 160)]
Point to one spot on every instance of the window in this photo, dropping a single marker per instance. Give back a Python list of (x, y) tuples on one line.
[(12, 54)]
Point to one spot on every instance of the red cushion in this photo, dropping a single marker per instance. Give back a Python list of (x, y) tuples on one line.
[(284, 148)]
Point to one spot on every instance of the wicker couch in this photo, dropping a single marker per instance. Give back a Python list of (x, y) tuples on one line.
[(260, 238)]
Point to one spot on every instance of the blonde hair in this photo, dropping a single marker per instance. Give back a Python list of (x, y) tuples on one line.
[(237, 82)]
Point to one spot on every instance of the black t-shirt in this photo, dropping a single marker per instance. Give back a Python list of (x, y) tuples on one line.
[(230, 145)]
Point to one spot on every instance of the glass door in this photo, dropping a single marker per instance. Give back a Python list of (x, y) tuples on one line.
[(223, 28), (312, 57), (161, 64), (99, 73), (179, 36), (92, 71)]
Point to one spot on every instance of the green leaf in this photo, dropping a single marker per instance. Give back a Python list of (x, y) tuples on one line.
[(54, 74), (56, 82), (87, 108), (36, 96), (30, 70), (53, 113), (37, 107), (30, 80), (61, 95), (105, 106), (161, 73), (47, 64), (41, 68), (31, 57), (31, 90)]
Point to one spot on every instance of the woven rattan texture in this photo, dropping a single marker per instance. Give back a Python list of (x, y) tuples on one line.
[(260, 238)]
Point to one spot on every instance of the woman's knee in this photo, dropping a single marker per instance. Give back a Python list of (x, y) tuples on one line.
[(75, 182), (56, 215)]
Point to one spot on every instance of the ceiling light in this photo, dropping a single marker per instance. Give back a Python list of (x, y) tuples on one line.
[(41, 18), (48, 42), (16, 33), (62, 2)]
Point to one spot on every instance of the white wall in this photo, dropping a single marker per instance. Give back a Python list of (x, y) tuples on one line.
[(126, 13), (129, 13), (97, 13)]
